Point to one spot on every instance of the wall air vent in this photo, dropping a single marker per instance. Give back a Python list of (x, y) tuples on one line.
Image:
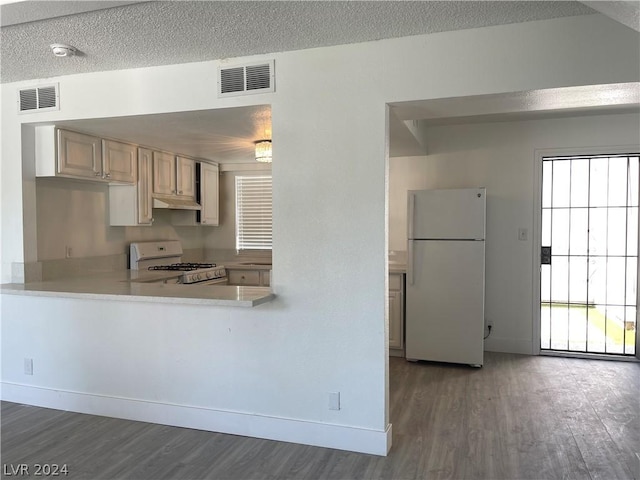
[(246, 79), (38, 99)]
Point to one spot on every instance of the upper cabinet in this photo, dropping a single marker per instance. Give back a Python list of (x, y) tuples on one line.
[(139, 179), (130, 205), (174, 175), (164, 173), (64, 153), (208, 196), (119, 161), (144, 210), (79, 155), (186, 177)]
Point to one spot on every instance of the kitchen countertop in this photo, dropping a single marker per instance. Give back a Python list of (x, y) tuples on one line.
[(132, 285)]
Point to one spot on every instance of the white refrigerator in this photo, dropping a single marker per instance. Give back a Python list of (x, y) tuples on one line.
[(445, 275)]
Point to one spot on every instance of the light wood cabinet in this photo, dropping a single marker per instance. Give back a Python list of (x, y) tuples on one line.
[(145, 172), (174, 175), (79, 155), (64, 153), (249, 278), (164, 173), (119, 161), (130, 205), (208, 194), (186, 177), (396, 314)]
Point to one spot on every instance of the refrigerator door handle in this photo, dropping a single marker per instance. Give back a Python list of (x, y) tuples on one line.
[(410, 262), (412, 208)]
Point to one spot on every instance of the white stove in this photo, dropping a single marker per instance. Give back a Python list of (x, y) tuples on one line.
[(167, 256)]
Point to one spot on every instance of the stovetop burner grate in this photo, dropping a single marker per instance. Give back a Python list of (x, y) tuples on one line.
[(183, 267)]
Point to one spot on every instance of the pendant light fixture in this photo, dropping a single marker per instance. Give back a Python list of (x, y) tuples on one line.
[(263, 151)]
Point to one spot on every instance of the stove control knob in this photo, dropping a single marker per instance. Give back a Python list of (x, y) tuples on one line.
[(196, 276), (209, 275)]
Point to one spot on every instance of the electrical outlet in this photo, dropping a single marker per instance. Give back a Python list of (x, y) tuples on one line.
[(67, 251), (523, 234), (489, 323), (334, 401), (28, 366)]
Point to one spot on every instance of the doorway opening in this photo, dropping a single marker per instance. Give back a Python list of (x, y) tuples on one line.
[(589, 255)]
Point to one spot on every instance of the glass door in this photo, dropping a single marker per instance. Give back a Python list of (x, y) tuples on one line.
[(589, 271)]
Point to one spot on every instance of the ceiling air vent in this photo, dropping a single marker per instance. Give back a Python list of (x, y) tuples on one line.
[(246, 79), (38, 99)]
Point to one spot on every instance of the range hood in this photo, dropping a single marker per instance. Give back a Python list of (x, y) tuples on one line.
[(175, 203)]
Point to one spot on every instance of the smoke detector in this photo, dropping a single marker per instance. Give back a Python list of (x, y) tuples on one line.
[(62, 50)]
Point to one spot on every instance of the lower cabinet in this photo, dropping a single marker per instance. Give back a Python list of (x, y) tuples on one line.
[(396, 314), (249, 278)]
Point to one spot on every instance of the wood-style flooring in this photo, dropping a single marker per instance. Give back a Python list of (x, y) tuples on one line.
[(518, 417)]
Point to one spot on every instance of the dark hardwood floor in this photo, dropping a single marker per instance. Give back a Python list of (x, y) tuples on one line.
[(518, 417)]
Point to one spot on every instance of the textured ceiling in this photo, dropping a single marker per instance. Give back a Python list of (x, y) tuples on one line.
[(139, 34), (160, 33)]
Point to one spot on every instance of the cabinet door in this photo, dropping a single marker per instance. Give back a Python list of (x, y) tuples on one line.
[(119, 161), (209, 196), (145, 212), (164, 173), (395, 319), (186, 177), (79, 155)]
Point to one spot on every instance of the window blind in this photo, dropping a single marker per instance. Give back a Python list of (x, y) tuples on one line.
[(254, 213)]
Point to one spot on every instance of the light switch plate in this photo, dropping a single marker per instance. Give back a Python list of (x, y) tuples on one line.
[(334, 401), (28, 366)]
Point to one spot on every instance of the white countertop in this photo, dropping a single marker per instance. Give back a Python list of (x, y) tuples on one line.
[(128, 285)]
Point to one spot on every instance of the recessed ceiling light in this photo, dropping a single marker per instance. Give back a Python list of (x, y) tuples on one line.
[(62, 50)]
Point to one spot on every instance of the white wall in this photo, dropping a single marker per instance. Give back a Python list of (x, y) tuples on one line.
[(325, 333), (501, 157), (75, 214)]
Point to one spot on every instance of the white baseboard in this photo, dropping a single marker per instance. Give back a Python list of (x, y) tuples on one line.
[(375, 442), (508, 345)]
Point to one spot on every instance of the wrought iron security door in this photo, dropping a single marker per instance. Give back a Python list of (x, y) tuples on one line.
[(589, 257)]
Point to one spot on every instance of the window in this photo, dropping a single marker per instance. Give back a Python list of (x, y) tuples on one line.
[(253, 212)]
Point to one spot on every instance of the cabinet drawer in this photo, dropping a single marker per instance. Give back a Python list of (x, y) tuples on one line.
[(395, 281), (244, 277)]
